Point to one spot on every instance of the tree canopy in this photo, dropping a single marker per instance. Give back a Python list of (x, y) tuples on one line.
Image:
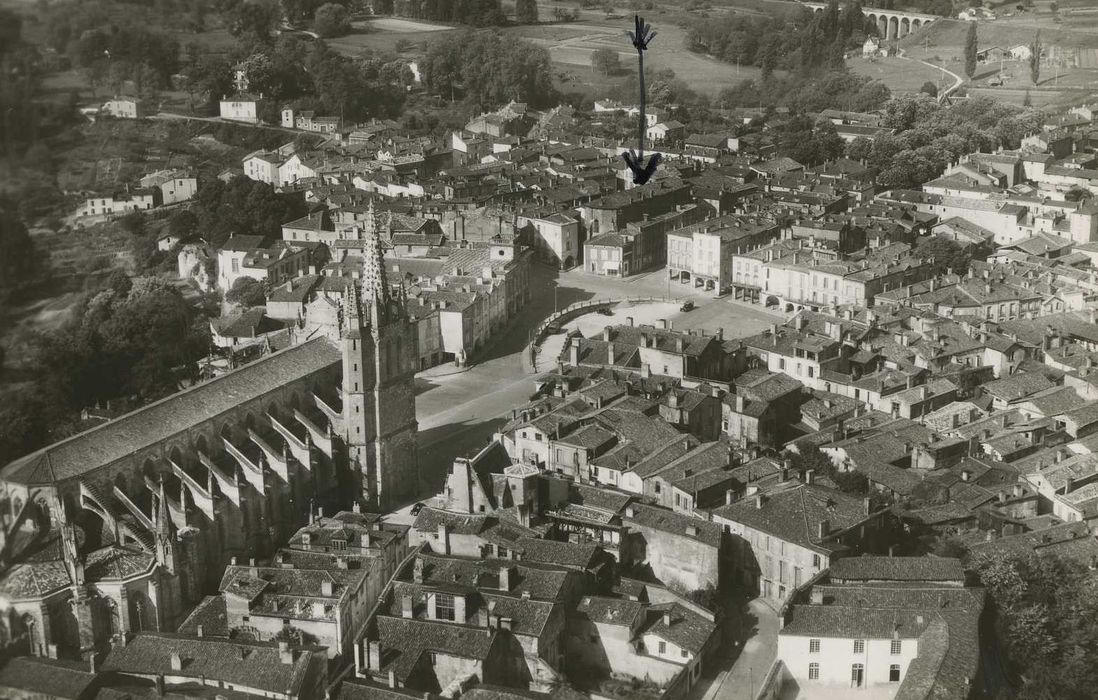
[(243, 207), (606, 61), (247, 291), (970, 51), (930, 135), (490, 69), (1046, 615), (332, 19)]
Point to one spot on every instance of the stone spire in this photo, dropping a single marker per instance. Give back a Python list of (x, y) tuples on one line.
[(375, 285), (165, 548)]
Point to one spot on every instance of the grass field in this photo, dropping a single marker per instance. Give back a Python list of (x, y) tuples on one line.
[(899, 74), (570, 46)]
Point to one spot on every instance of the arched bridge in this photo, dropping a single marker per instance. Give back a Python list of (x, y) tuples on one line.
[(890, 24)]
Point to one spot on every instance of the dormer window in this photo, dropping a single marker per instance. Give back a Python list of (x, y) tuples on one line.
[(339, 545)]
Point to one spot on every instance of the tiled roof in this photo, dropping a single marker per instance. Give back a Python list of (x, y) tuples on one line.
[(254, 665), (610, 611), (117, 563), (871, 568), (687, 629), (211, 615), (156, 423), (562, 553), (38, 677), (668, 521), (410, 638), (795, 515)]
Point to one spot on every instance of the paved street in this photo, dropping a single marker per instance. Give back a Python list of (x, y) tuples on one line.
[(459, 412), (741, 681)]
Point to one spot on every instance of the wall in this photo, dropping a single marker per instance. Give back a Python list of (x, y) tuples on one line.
[(836, 656)]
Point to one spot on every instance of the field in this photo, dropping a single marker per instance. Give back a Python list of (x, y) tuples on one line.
[(899, 74), (1069, 71)]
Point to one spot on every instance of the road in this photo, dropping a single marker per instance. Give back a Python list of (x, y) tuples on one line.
[(957, 80), (759, 639), (458, 412)]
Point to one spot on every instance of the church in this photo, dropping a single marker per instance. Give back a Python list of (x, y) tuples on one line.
[(125, 527)]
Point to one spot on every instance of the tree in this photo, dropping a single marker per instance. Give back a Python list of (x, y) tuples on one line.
[(19, 262), (247, 291), (244, 207), (606, 61), (331, 20), (1045, 611), (1035, 58), (929, 88), (526, 11), (945, 253), (970, 51)]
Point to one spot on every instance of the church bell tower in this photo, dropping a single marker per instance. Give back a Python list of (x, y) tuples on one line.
[(380, 347)]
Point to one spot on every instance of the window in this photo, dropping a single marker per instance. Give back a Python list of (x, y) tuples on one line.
[(859, 646), (663, 647), (444, 606), (813, 646), (816, 560), (857, 675), (894, 673), (684, 653), (813, 672), (897, 645)]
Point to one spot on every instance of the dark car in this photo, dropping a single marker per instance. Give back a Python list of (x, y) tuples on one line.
[(553, 328), (687, 306), (416, 508), (605, 311)]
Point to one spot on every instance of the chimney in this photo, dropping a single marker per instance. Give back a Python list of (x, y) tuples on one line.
[(866, 505), (667, 618), (326, 588), (176, 661), (629, 320), (817, 596), (824, 529), (610, 353), (809, 476), (741, 404), (406, 607), (661, 323), (758, 501), (392, 678), (285, 654), (200, 631), (607, 334), (505, 578), (373, 655), (417, 571)]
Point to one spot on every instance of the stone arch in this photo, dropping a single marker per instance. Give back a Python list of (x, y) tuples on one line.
[(30, 628), (176, 455), (44, 514), (141, 612), (882, 26), (915, 24), (202, 445), (893, 27), (150, 470), (905, 26)]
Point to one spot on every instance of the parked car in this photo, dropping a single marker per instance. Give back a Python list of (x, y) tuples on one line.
[(605, 311), (416, 508), (687, 306), (553, 328)]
